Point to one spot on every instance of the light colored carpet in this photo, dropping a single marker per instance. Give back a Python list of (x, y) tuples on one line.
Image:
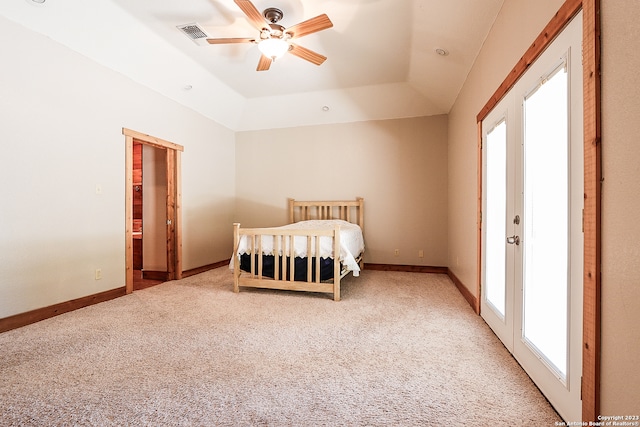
[(400, 349)]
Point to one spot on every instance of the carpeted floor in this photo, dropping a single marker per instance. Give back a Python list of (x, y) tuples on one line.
[(399, 349)]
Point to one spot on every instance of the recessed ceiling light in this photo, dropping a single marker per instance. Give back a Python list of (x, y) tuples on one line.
[(38, 1), (442, 52), (325, 108), (187, 87)]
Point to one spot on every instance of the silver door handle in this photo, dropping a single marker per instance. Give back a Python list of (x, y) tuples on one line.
[(513, 240)]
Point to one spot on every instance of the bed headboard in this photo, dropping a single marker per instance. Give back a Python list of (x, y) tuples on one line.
[(347, 210)]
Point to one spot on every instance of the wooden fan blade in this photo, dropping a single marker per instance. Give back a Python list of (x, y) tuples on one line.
[(264, 63), (307, 54), (313, 25), (231, 40), (254, 15)]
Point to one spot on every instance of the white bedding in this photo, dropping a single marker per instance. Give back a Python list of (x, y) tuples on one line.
[(351, 242)]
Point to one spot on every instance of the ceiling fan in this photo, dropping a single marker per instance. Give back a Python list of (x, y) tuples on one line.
[(274, 39)]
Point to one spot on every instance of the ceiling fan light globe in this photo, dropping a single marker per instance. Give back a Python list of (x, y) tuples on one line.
[(273, 48)]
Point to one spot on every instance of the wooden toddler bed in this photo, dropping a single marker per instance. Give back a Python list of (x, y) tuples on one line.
[(315, 233)]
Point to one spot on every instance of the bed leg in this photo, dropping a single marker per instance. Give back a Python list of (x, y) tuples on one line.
[(236, 267), (336, 264)]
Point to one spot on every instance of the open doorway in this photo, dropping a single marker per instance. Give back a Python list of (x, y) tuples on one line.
[(137, 144), (149, 215)]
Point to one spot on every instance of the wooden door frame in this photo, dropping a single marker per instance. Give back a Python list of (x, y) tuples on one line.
[(592, 182), (174, 200)]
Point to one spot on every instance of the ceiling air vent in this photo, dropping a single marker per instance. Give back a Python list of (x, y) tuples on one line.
[(195, 32)]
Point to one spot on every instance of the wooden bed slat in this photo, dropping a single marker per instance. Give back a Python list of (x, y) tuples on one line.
[(253, 251), (336, 266), (317, 261), (292, 258), (260, 265), (309, 260), (283, 259), (276, 264)]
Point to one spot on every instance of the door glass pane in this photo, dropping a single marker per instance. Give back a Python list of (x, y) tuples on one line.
[(546, 233), (495, 217)]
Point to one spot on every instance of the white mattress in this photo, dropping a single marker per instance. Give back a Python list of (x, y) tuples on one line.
[(351, 242)]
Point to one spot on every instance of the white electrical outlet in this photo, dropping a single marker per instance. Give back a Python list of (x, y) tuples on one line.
[(396, 252), (420, 253), (98, 273)]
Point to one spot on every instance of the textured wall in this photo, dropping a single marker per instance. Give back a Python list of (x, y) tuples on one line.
[(516, 27), (620, 207), (398, 166), (62, 119)]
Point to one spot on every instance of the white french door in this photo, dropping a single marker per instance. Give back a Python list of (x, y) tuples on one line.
[(532, 243)]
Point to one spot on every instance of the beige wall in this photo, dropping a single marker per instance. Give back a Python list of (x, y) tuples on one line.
[(398, 166), (620, 207), (61, 135), (517, 25)]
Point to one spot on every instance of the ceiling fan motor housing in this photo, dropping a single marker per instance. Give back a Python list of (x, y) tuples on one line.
[(273, 14)]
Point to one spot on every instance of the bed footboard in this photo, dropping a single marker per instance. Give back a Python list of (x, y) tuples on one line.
[(283, 251)]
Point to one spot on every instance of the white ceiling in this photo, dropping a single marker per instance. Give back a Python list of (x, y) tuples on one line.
[(381, 54)]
